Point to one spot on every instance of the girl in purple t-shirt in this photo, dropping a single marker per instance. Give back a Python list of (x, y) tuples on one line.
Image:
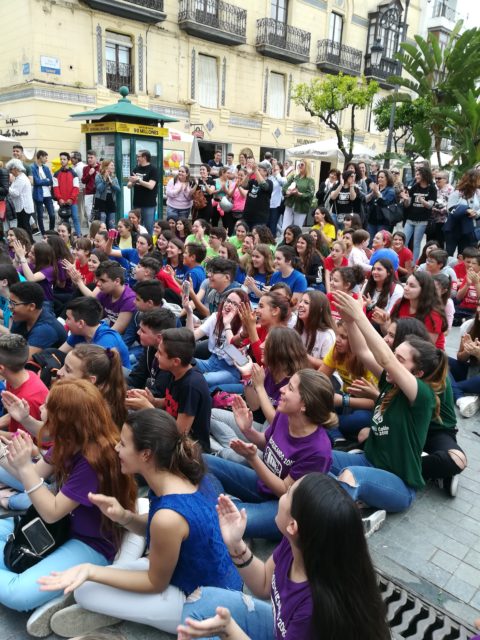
[(42, 267), (82, 460), (312, 578), (295, 444)]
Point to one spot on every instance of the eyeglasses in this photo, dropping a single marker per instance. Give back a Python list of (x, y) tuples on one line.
[(14, 305), (232, 302), (438, 179)]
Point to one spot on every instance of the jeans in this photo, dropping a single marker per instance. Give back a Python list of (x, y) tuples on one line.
[(108, 218), (76, 221), (273, 218), (417, 229), (224, 429), (217, 372), (377, 488), (21, 591), (438, 463), (177, 213), (461, 385), (19, 501), (349, 424), (253, 616), (241, 482), (148, 217), (48, 202)]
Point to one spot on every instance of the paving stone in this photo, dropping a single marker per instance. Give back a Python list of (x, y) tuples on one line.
[(445, 561), (469, 574), (461, 589)]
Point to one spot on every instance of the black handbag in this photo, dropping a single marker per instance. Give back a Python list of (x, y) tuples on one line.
[(18, 554), (392, 213)]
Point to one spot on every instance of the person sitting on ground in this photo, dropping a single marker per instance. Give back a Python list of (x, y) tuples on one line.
[(8, 277), (315, 325), (465, 369), (154, 588), (285, 262), (360, 254), (468, 293), (83, 461), (388, 473), (84, 322), (186, 395), (294, 444), (193, 257), (220, 280), (301, 581), (31, 320)]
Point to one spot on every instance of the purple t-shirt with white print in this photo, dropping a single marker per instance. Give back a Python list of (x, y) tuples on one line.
[(126, 302), (291, 601), (286, 455)]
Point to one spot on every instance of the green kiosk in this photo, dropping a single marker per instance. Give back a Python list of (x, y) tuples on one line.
[(117, 132)]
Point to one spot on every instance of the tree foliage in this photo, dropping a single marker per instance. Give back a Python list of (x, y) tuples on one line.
[(438, 77), (408, 116), (327, 97)]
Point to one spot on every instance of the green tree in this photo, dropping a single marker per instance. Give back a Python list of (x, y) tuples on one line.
[(437, 75), (327, 97), (463, 129), (407, 116)]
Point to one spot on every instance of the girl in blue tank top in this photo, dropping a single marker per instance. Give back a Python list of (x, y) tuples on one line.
[(185, 548)]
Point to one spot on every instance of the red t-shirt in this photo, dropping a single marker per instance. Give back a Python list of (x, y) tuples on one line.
[(87, 275), (460, 269), (34, 392), (470, 300), (329, 266), (433, 322), (333, 308), (405, 255)]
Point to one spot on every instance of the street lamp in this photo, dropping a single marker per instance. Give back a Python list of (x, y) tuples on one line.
[(376, 53)]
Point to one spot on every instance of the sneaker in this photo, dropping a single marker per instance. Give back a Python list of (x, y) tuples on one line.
[(373, 522), (450, 485), (38, 624), (468, 405), (75, 621)]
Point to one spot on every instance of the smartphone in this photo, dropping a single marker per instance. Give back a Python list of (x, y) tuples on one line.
[(186, 289), (235, 354), (38, 536), (112, 233)]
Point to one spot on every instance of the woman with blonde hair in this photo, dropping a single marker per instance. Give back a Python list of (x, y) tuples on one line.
[(107, 188)]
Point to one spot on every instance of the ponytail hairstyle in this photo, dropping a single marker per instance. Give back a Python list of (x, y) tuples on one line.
[(351, 276), (319, 318), (284, 353), (432, 362), (445, 283), (346, 600), (106, 366), (155, 430), (277, 301), (317, 394)]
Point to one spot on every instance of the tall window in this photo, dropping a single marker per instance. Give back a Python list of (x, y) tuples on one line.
[(118, 50), (207, 81), (276, 95), (335, 28), (278, 10)]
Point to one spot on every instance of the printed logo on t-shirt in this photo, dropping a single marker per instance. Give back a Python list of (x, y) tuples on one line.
[(274, 458), (378, 428), (253, 193), (344, 196), (416, 200), (277, 608), (171, 405)]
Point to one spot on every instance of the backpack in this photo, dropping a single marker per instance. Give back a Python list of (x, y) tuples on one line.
[(46, 364), (199, 199)]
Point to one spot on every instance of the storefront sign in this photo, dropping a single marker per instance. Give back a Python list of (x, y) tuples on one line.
[(125, 127), (50, 65), (13, 133)]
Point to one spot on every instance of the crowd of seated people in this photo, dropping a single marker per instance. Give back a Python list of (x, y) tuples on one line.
[(252, 378)]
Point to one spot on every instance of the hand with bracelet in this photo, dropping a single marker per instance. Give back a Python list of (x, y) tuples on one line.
[(232, 525)]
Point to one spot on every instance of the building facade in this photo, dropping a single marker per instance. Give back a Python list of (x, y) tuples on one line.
[(224, 69)]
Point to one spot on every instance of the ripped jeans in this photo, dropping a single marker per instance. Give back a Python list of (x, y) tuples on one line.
[(253, 616)]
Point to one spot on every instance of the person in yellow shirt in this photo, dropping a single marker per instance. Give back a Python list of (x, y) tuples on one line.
[(323, 220)]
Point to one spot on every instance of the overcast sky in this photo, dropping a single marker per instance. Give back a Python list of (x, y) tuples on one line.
[(470, 8)]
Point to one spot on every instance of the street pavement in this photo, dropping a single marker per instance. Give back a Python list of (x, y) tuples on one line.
[(433, 549)]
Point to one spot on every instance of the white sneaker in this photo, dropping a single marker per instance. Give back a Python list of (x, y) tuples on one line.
[(468, 405), (38, 624), (373, 522), (75, 621)]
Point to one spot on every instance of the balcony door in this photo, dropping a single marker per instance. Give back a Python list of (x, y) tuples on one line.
[(335, 32), (206, 12), (119, 61), (278, 30)]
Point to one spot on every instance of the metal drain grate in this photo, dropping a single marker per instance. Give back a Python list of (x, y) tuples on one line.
[(415, 619)]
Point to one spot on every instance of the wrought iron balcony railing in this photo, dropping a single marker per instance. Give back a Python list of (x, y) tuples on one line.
[(213, 20), (119, 75), (334, 57), (142, 10), (279, 40)]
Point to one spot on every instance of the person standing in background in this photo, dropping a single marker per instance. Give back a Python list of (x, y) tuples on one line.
[(78, 166), (144, 181), (88, 179), (42, 191)]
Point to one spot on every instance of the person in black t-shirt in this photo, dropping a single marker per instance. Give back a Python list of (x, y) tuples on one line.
[(418, 201), (217, 159), (345, 197), (257, 204), (187, 397), (144, 181), (206, 184)]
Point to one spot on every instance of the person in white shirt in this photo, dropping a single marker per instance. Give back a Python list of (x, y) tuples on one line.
[(21, 193), (78, 166)]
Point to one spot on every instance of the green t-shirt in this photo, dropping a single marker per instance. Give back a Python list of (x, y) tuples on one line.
[(236, 242), (448, 419), (398, 435)]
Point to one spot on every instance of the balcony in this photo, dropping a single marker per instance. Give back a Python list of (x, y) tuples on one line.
[(213, 20), (149, 11), (385, 69), (333, 57), (281, 41), (119, 75), (443, 17)]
